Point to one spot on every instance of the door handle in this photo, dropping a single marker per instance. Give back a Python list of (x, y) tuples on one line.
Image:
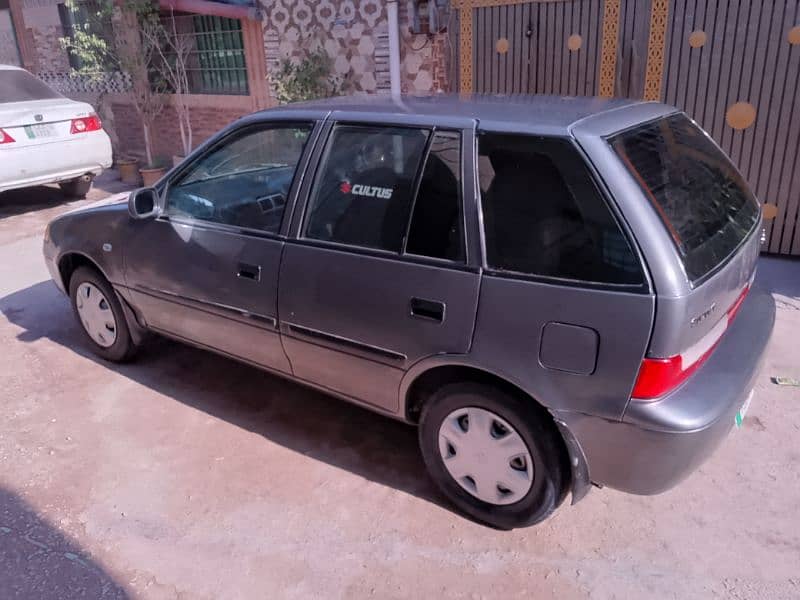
[(427, 309), (251, 272)]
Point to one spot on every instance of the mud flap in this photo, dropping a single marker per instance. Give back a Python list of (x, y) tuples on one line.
[(580, 483)]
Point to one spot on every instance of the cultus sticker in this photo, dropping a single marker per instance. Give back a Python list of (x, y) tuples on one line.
[(370, 191)]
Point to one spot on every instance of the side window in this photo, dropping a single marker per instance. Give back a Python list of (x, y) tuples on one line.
[(543, 214), (245, 182), (436, 223), (364, 186)]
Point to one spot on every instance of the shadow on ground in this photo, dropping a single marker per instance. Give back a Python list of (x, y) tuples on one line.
[(780, 275), (320, 426), (32, 199), (37, 561), (18, 202)]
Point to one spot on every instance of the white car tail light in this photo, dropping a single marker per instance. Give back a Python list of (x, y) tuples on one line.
[(82, 125), (659, 376)]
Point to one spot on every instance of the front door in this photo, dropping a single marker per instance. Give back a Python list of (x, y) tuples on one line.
[(378, 277), (206, 270)]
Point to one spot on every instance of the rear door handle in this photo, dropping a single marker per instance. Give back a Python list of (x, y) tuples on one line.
[(251, 272), (427, 309)]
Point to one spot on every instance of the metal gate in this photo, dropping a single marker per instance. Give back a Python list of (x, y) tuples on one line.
[(733, 66)]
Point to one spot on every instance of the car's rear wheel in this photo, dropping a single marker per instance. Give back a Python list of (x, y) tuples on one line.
[(78, 187), (497, 457), (100, 315)]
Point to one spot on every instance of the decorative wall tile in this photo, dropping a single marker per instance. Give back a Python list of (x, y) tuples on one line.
[(354, 33)]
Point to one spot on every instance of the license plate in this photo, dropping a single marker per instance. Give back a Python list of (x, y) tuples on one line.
[(40, 131), (743, 411)]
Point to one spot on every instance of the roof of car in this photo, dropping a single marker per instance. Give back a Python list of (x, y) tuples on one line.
[(10, 68), (536, 112)]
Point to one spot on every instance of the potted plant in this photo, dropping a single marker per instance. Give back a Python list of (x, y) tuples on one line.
[(306, 78), (128, 168), (152, 172)]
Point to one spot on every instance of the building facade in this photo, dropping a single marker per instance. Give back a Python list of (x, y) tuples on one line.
[(238, 47), (733, 65)]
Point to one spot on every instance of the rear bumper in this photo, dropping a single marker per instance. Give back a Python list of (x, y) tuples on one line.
[(658, 444), (62, 160)]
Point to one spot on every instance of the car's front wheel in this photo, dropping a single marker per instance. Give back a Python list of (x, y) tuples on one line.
[(496, 456), (78, 187), (100, 315)]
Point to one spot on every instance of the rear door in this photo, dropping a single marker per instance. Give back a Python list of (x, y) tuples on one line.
[(378, 275)]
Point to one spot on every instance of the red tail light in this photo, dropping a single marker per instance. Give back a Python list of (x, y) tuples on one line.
[(738, 304), (5, 138), (90, 123), (659, 376)]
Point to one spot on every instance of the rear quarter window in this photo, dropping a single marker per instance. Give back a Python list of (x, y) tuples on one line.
[(701, 198), (21, 86), (544, 216)]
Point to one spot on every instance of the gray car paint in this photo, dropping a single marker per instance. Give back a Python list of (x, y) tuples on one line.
[(504, 335)]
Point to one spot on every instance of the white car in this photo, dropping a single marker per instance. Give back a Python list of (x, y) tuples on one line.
[(47, 138)]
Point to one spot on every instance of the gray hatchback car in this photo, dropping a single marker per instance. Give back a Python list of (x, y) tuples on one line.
[(557, 291)]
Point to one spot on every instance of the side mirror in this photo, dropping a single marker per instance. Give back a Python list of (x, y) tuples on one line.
[(143, 203)]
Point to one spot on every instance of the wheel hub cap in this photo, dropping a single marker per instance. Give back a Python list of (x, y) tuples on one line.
[(96, 315), (485, 455)]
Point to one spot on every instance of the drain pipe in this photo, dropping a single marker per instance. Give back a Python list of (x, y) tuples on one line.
[(394, 47)]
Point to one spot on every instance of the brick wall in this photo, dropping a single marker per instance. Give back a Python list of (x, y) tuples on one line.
[(206, 121), (49, 53)]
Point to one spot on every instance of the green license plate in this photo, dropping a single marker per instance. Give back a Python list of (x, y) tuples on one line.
[(739, 419), (40, 131)]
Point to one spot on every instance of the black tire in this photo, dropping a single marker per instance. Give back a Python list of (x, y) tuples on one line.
[(78, 187), (123, 347), (550, 462)]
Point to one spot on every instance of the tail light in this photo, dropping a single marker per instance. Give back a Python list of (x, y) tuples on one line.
[(659, 376), (84, 124), (5, 138)]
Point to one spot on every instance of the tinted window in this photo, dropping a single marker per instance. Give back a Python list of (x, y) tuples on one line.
[(363, 191), (701, 197), (245, 182), (436, 225), (543, 214), (21, 86)]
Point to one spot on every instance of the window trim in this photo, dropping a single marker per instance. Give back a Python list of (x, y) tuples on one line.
[(225, 138), (599, 184), (299, 220), (460, 201)]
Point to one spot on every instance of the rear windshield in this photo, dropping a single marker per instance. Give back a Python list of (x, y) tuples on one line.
[(701, 197), (21, 86)]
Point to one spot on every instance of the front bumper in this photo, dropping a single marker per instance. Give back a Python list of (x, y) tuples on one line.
[(658, 444)]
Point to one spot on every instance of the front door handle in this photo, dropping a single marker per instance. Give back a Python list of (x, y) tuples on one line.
[(427, 309), (251, 272)]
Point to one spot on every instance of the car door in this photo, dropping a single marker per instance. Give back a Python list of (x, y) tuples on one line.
[(377, 276), (206, 270)]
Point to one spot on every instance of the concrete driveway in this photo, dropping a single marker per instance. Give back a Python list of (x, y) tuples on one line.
[(187, 475)]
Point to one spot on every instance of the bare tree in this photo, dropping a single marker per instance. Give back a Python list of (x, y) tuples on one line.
[(172, 49)]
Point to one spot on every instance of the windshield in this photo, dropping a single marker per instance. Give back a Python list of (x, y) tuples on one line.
[(702, 199), (21, 86)]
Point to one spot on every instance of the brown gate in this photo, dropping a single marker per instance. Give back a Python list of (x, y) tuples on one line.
[(732, 66)]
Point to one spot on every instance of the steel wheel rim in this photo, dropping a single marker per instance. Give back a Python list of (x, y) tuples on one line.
[(96, 315), (485, 455)]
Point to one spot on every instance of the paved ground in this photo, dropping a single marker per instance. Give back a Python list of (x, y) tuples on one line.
[(185, 475)]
